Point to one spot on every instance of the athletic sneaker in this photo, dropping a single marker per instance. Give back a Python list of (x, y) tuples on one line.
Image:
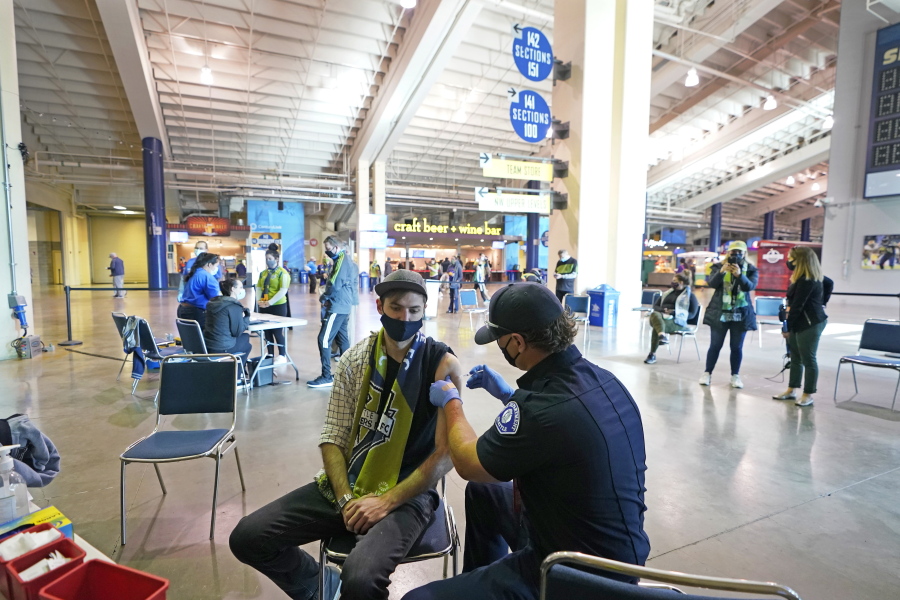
[(279, 360), (785, 396), (804, 401), (332, 589), (705, 379), (651, 358), (736, 382), (321, 382), (663, 339)]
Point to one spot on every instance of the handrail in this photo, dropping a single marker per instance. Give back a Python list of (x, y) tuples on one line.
[(897, 296), (69, 289)]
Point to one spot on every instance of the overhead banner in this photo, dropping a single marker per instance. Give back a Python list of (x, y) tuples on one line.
[(515, 169), (416, 225), (513, 203), (209, 226), (265, 217)]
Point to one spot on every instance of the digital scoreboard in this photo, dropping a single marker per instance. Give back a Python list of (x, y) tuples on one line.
[(883, 154)]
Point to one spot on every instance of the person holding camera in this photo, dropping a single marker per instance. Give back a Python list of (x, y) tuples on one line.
[(730, 311), (807, 296)]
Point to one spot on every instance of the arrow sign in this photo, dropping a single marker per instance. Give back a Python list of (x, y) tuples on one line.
[(515, 203), (484, 160), (533, 54), (517, 29), (517, 169), (481, 193), (530, 116)]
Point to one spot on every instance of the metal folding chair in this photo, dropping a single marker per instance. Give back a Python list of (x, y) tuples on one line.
[(150, 347), (193, 342), (880, 335), (581, 309), (767, 306), (559, 581), (691, 332), (195, 384), (468, 303)]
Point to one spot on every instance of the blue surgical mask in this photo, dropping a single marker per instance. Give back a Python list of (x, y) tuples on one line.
[(239, 294), (398, 330), (271, 264)]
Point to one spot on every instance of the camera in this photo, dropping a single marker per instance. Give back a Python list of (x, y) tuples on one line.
[(733, 260), (782, 313)]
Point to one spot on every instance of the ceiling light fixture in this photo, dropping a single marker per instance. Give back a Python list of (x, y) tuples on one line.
[(829, 122), (692, 79), (206, 76), (816, 187), (408, 3), (790, 180), (119, 207), (770, 103)]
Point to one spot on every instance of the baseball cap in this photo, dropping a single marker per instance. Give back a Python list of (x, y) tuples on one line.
[(516, 308), (402, 279), (738, 245)]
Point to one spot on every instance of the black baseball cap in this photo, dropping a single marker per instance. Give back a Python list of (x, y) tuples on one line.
[(516, 308), (402, 279)]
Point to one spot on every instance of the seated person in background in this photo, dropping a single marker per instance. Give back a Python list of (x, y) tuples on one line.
[(227, 321), (672, 311), (533, 276), (384, 449)]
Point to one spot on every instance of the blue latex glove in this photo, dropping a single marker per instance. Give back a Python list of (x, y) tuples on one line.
[(442, 392), (482, 376)]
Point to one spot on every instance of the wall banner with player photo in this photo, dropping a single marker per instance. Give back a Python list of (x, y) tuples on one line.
[(881, 252)]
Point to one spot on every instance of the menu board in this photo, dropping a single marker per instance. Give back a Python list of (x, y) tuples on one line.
[(883, 154)]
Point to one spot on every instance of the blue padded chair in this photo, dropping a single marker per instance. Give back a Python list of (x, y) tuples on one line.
[(196, 384), (648, 299), (562, 582), (767, 306), (439, 539), (880, 335), (581, 309), (468, 303)]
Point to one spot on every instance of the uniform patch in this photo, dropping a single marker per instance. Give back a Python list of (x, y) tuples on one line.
[(507, 422)]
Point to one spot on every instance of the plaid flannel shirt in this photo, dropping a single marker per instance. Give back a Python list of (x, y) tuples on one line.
[(348, 379)]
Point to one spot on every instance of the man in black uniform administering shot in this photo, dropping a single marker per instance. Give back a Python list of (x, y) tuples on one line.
[(569, 443)]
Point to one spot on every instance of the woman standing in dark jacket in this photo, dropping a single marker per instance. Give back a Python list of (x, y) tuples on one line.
[(456, 277), (730, 310), (807, 296), (227, 321)]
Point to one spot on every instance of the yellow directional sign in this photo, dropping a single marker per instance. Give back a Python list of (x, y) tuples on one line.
[(513, 203), (515, 169)]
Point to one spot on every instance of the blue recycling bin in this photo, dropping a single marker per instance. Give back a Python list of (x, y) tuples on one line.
[(304, 276), (364, 282), (604, 306)]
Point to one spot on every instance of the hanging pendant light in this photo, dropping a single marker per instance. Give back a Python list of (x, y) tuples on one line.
[(692, 79)]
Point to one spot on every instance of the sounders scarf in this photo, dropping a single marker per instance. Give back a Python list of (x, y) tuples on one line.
[(733, 297), (382, 422)]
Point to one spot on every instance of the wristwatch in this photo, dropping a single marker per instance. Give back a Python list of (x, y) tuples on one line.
[(343, 500)]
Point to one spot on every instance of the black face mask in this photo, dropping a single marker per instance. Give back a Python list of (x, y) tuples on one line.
[(790, 265), (398, 330), (675, 286), (509, 358), (331, 254)]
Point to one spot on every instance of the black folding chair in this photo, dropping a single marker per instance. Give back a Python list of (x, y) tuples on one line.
[(559, 581), (193, 342), (194, 384), (880, 335), (150, 347)]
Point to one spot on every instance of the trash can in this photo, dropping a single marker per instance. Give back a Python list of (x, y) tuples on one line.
[(364, 282), (604, 306), (295, 276), (304, 277)]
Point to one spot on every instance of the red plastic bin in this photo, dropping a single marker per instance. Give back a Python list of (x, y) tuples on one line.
[(101, 580), (4, 564), (30, 590)]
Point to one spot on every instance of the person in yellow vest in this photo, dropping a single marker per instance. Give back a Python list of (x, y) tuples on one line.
[(434, 269), (565, 274), (374, 275), (271, 289)]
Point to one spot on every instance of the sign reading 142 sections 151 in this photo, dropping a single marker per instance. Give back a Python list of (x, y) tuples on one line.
[(532, 53), (529, 115)]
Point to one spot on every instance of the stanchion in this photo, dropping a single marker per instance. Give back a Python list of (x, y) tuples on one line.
[(69, 341)]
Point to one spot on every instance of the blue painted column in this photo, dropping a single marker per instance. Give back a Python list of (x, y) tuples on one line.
[(532, 241), (715, 227), (805, 230), (769, 226), (155, 210)]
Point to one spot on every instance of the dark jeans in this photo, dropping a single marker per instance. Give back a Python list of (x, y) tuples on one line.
[(562, 294), (803, 356), (194, 313), (275, 336), (658, 325), (480, 287), (454, 300), (492, 526), (268, 540), (717, 340), (334, 327)]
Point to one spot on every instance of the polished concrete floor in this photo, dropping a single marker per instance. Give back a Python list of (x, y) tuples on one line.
[(738, 484)]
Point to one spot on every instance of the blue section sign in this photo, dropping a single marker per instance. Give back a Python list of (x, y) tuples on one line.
[(529, 115), (532, 53)]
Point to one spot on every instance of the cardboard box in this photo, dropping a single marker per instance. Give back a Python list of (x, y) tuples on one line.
[(46, 515)]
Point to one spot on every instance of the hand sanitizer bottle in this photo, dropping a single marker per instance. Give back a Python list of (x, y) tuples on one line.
[(7, 492)]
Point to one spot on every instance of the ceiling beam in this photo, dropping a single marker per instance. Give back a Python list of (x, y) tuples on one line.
[(744, 65), (122, 23), (779, 168), (807, 213), (794, 195), (429, 43)]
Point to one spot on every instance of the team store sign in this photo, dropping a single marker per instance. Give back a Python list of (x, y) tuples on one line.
[(423, 226)]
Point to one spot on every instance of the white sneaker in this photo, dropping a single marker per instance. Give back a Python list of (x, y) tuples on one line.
[(279, 360), (736, 382), (705, 379)]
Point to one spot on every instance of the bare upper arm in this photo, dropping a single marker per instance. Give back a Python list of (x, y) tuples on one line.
[(450, 366)]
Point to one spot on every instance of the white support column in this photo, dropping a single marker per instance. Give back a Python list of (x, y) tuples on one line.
[(362, 208), (378, 200), (9, 99), (606, 103)]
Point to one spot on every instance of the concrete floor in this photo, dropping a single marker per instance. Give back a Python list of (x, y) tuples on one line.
[(738, 484)]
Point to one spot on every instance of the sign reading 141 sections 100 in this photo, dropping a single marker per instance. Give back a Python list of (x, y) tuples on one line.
[(529, 115), (532, 53)]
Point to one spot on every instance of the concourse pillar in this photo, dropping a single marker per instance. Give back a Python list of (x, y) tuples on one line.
[(606, 103), (769, 225), (378, 202), (806, 230), (155, 213), (14, 265), (715, 227), (532, 240), (362, 210)]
